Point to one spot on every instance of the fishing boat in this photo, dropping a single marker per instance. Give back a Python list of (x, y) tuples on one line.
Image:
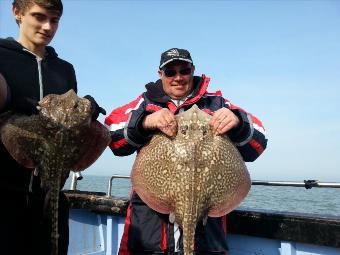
[(97, 223)]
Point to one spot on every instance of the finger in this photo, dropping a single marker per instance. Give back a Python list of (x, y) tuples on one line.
[(212, 122), (169, 126), (170, 120), (227, 124), (161, 123), (158, 117), (174, 129), (173, 125), (170, 117), (221, 122), (216, 118), (224, 127), (216, 123), (168, 131)]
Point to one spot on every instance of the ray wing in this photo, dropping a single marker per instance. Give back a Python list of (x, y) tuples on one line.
[(24, 137), (151, 175), (93, 145), (21, 139), (230, 177)]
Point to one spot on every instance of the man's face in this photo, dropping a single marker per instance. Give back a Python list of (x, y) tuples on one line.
[(177, 79), (37, 25)]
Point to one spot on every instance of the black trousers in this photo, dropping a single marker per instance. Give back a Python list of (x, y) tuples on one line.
[(25, 228), (145, 232)]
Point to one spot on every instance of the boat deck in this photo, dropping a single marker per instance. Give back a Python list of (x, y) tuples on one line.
[(97, 223)]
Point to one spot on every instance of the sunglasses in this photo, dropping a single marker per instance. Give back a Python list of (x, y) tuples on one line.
[(172, 72)]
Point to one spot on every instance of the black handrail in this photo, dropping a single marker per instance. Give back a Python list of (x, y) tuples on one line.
[(308, 184)]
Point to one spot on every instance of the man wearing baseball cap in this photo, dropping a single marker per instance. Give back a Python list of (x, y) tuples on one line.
[(174, 54), (134, 124)]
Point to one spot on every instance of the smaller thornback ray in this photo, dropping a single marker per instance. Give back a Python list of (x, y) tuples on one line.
[(59, 139), (192, 176)]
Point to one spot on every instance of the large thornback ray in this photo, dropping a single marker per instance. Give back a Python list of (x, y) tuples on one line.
[(60, 138), (193, 175)]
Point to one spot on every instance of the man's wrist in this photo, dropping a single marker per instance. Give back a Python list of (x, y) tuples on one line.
[(146, 123)]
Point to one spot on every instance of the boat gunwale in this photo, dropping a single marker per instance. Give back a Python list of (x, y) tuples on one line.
[(288, 226)]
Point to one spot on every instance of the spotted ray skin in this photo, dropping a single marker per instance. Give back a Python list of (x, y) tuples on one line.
[(61, 138), (193, 175)]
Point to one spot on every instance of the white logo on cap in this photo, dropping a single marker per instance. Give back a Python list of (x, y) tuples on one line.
[(173, 53)]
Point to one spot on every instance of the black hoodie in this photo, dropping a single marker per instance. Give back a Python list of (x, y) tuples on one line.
[(29, 79)]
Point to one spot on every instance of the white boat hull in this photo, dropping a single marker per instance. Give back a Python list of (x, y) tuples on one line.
[(100, 234)]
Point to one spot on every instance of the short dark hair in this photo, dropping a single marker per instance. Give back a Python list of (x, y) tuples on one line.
[(51, 5)]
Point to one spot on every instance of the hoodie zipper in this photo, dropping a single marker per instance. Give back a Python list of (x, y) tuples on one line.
[(41, 89), (39, 60), (41, 94)]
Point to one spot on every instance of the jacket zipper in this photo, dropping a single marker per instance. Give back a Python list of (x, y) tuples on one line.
[(41, 89), (41, 95)]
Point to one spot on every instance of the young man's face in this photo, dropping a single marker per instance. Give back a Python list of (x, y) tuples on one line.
[(37, 25), (177, 78)]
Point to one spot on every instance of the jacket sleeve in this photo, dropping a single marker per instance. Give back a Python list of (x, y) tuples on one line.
[(4, 94), (250, 136), (73, 80), (125, 127)]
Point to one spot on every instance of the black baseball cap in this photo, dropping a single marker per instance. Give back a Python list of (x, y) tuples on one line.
[(174, 54)]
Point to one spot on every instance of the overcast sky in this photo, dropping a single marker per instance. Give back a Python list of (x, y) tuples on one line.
[(279, 60)]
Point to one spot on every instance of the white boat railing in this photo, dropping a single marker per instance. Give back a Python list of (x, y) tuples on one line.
[(110, 182), (76, 176), (308, 184)]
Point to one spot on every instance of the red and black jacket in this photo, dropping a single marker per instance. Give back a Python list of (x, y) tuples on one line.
[(147, 231)]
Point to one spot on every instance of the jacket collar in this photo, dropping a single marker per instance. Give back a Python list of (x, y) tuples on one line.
[(155, 92), (11, 44)]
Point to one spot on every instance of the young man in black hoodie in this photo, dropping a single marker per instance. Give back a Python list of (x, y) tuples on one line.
[(30, 70)]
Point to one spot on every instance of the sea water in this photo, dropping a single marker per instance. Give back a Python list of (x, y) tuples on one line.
[(323, 201)]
